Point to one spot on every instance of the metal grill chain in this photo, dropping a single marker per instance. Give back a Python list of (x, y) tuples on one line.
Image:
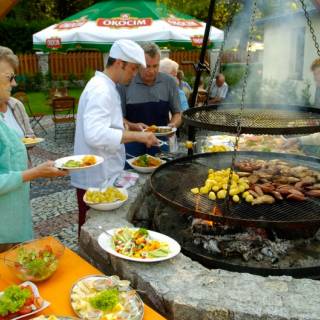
[(214, 71), (313, 34), (244, 89)]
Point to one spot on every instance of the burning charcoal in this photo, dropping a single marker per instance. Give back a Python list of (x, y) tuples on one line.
[(249, 254)]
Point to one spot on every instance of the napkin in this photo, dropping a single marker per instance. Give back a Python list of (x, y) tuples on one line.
[(126, 179)]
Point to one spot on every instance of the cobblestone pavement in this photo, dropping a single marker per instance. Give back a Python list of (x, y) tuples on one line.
[(53, 201)]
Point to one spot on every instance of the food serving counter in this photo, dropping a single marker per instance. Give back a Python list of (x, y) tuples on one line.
[(56, 289)]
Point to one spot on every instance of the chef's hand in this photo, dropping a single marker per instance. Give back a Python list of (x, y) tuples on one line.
[(44, 170), (149, 139), (134, 126), (137, 126), (172, 125)]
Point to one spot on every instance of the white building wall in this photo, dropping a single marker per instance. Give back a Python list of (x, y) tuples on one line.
[(278, 50)]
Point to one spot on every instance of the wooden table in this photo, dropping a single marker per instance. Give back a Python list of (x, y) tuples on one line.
[(57, 288)]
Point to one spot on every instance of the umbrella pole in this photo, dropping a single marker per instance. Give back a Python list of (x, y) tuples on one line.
[(199, 68)]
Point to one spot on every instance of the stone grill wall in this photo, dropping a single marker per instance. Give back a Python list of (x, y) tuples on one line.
[(182, 289)]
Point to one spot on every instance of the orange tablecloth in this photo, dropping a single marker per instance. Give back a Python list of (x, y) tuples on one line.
[(57, 288)]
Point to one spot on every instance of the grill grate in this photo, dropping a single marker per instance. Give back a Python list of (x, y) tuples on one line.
[(256, 120), (173, 181)]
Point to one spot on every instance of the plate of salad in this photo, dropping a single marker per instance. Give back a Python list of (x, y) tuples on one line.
[(104, 297), (145, 163), (138, 244), (19, 301)]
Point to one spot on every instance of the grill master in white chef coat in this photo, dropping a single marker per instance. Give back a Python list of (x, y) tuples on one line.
[(99, 132)]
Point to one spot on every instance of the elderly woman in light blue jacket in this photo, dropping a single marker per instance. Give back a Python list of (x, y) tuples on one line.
[(15, 211)]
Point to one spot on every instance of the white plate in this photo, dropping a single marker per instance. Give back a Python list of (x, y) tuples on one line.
[(106, 206), (143, 169), (134, 308), (45, 304), (33, 142), (59, 163), (105, 243), (162, 134)]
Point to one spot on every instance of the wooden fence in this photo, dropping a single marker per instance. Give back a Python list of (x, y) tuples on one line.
[(28, 64), (76, 64)]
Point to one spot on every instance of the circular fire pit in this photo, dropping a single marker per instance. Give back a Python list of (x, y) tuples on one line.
[(266, 239)]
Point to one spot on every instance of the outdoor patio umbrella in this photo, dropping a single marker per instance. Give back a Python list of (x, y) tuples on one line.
[(98, 26)]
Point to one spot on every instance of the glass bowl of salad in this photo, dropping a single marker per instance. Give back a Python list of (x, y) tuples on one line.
[(35, 260)]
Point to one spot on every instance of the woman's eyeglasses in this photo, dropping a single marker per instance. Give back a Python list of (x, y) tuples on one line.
[(11, 77)]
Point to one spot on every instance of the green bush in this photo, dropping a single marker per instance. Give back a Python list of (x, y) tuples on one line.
[(233, 73), (88, 74)]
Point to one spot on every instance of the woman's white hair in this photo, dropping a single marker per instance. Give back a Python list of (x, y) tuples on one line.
[(7, 55), (168, 66)]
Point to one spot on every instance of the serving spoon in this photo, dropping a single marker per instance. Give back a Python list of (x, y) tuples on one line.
[(108, 233)]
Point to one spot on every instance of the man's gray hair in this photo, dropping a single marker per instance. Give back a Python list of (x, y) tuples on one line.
[(7, 55), (151, 49)]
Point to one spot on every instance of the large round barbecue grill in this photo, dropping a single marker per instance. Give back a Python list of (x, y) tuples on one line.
[(286, 219), (255, 119), (173, 181)]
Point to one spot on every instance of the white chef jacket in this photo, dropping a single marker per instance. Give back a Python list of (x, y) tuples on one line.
[(99, 132)]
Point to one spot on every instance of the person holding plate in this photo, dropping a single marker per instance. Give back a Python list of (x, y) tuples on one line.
[(100, 128), (151, 98), (15, 210)]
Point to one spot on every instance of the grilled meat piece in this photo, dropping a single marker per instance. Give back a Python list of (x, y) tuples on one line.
[(253, 193), (267, 187), (277, 195), (253, 179), (243, 174), (266, 199), (300, 172), (296, 197), (258, 190), (313, 193)]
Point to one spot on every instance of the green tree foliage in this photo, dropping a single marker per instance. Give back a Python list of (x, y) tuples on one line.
[(225, 8), (17, 34)]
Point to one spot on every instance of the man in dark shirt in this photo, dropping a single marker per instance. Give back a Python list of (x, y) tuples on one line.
[(150, 99)]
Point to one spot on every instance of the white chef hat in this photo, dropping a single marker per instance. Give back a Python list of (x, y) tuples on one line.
[(128, 50)]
